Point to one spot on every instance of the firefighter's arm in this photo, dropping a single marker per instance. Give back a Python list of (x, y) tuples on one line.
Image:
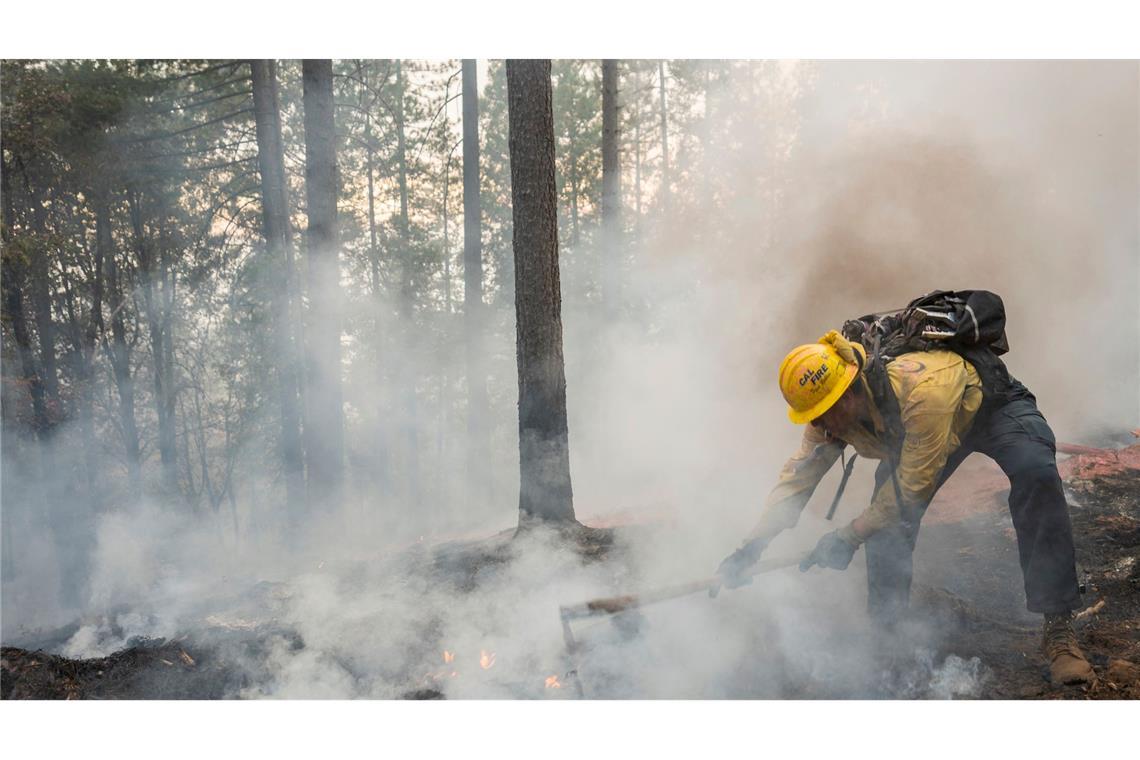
[(798, 479)]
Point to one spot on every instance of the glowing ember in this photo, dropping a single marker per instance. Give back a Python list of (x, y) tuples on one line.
[(552, 683), (448, 656), (486, 659)]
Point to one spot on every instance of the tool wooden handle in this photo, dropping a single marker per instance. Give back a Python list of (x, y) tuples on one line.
[(614, 604)]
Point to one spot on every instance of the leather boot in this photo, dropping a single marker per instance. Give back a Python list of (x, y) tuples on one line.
[(1067, 664)]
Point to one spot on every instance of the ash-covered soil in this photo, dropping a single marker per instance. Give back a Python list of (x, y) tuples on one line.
[(151, 669), (967, 582), (215, 666), (992, 624)]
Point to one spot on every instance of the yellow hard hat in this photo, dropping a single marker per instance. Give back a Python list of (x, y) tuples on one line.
[(812, 378)]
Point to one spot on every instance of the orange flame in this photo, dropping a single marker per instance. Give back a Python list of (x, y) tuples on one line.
[(486, 659), (553, 683), (448, 656)]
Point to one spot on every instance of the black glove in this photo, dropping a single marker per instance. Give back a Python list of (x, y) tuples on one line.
[(833, 551), (733, 571)]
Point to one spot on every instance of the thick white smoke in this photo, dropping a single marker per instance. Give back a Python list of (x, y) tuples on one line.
[(856, 187)]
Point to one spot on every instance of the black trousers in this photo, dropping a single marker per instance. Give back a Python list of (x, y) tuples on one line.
[(1017, 437)]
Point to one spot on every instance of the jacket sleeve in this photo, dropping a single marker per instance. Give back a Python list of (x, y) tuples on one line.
[(798, 479), (927, 417)]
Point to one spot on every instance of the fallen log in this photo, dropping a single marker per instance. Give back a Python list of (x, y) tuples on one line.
[(1076, 449)]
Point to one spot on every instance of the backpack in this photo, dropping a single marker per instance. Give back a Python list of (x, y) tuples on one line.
[(971, 323), (943, 319)]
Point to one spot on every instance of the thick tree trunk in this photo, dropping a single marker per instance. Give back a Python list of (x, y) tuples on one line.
[(611, 185), (478, 445), (544, 456), (324, 428), (279, 246)]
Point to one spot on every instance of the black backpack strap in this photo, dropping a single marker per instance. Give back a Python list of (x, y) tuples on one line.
[(847, 468), (998, 386), (904, 517), (883, 396), (887, 404)]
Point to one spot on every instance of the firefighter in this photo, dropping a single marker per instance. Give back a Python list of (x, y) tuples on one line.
[(939, 396)]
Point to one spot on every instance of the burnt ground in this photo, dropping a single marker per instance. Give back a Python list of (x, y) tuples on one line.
[(221, 659), (150, 668), (985, 603), (155, 669), (975, 593)]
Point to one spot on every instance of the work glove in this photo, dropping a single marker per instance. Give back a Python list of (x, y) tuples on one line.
[(733, 570), (834, 550)]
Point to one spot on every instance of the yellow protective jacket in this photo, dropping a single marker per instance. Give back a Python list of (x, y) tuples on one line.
[(938, 392)]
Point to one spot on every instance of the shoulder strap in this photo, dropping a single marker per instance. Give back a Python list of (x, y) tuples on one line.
[(882, 395), (847, 469)]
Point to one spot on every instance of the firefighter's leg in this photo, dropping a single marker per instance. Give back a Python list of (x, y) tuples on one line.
[(889, 563), (890, 552), (1019, 439), (889, 571)]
